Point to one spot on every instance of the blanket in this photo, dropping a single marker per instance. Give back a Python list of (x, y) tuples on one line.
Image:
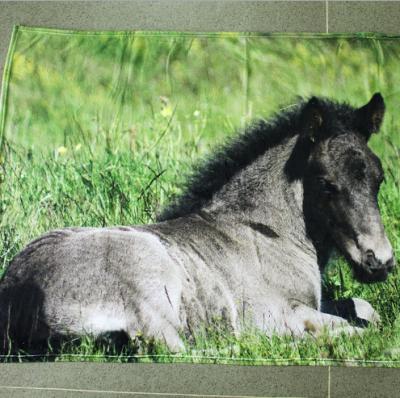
[(213, 197)]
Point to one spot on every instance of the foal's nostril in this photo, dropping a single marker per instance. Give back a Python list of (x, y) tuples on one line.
[(371, 260), (370, 253)]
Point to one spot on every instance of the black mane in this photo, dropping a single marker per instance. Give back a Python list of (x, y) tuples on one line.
[(211, 175)]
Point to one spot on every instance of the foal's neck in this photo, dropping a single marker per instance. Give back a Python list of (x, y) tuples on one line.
[(263, 194)]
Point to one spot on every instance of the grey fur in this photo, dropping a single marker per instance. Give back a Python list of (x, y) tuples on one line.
[(244, 252)]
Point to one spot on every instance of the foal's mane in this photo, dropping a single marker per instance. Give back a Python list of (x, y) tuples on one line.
[(211, 174)]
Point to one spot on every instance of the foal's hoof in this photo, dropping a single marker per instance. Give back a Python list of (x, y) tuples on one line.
[(364, 310)]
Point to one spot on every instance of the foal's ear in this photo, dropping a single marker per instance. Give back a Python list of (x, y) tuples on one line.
[(312, 119), (370, 116)]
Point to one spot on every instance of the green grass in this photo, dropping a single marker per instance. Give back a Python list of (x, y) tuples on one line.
[(101, 130)]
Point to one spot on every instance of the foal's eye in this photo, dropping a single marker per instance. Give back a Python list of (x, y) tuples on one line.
[(328, 188)]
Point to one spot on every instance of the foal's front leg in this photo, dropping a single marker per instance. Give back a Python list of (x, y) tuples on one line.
[(355, 310)]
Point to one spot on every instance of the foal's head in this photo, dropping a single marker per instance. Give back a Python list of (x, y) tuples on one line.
[(343, 177)]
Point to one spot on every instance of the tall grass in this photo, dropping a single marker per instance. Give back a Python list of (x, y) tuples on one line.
[(102, 129)]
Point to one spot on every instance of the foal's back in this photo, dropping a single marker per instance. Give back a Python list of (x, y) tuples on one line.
[(89, 280)]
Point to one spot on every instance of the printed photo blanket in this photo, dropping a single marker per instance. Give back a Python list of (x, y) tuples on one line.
[(200, 197)]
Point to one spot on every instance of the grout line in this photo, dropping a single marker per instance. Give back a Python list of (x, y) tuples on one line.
[(163, 394), (326, 16), (329, 381)]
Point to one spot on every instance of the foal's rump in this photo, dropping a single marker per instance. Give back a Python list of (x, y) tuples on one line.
[(88, 281)]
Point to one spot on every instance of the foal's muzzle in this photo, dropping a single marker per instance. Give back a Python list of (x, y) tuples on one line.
[(374, 270)]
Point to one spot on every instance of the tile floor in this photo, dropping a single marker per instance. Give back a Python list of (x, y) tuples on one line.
[(156, 380)]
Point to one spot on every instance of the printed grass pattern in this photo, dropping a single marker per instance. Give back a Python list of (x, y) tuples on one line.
[(102, 129)]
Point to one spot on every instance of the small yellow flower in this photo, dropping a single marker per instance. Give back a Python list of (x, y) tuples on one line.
[(62, 150), (78, 147), (166, 107), (167, 111)]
